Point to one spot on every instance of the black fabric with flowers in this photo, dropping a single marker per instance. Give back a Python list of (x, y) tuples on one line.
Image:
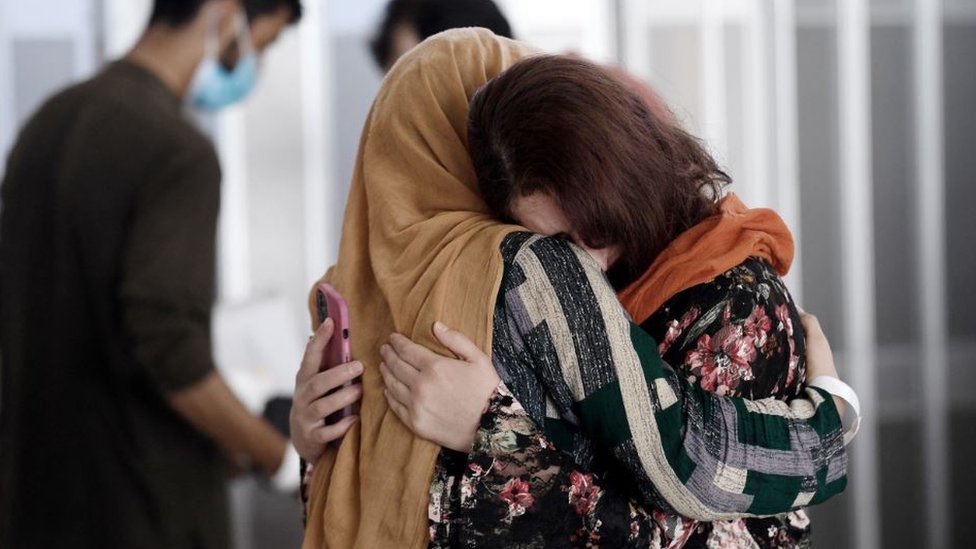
[(525, 484), (738, 335)]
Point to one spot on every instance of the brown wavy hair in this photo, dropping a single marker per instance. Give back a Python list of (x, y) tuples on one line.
[(622, 174)]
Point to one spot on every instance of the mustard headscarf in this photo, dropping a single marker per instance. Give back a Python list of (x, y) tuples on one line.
[(418, 245)]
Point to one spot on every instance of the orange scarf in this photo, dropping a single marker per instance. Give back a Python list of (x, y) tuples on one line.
[(707, 250)]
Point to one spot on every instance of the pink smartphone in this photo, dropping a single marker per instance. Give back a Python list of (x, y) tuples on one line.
[(331, 304)]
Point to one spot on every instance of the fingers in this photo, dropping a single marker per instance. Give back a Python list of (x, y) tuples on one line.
[(457, 342), (811, 325), (327, 433), (403, 370), (314, 358), (329, 404), (418, 356), (393, 385), (399, 409), (322, 383)]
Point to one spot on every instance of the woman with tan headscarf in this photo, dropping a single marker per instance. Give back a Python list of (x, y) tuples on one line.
[(419, 247)]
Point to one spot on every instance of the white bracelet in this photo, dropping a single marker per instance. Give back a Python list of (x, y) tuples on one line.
[(839, 389)]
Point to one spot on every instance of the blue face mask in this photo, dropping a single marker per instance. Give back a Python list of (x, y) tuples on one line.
[(214, 86)]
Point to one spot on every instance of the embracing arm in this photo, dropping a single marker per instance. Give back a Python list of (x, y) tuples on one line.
[(705, 456)]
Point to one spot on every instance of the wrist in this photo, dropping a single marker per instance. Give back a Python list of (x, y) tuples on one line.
[(844, 392), (273, 454)]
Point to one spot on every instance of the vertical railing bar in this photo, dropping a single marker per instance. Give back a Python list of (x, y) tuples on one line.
[(787, 133), (712, 36), (854, 63), (233, 250), (636, 53), (931, 257), (757, 94), (317, 151)]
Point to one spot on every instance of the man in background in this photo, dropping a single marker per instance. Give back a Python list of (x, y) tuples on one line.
[(116, 430), (407, 23)]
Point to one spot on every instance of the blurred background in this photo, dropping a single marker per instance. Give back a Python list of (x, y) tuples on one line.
[(855, 119)]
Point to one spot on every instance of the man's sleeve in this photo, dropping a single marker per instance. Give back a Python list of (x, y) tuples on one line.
[(167, 285)]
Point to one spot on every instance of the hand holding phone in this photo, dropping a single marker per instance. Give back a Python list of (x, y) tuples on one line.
[(331, 304)]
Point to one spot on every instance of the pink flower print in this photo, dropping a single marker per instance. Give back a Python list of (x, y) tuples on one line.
[(794, 358), (758, 326), (794, 364), (516, 495), (729, 534), (739, 347), (785, 322), (702, 362), (689, 317), (724, 360), (583, 494), (674, 330)]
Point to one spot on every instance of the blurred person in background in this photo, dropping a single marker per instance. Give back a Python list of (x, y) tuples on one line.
[(116, 430), (407, 23)]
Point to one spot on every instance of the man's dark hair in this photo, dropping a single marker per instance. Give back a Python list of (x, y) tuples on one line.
[(430, 17), (176, 13), (257, 8)]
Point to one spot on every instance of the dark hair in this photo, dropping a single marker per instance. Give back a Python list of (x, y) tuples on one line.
[(622, 175), (430, 17), (176, 13), (257, 8)]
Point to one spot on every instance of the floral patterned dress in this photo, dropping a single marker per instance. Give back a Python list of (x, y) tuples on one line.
[(737, 335), (592, 440)]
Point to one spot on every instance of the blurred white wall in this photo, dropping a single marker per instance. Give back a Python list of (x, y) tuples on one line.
[(62, 33)]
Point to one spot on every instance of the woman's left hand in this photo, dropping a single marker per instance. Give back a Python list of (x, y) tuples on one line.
[(820, 359), (439, 398)]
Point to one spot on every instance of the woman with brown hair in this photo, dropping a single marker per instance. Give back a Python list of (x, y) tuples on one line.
[(589, 438), (560, 148)]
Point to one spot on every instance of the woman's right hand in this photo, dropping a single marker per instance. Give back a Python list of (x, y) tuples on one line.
[(311, 403), (437, 397)]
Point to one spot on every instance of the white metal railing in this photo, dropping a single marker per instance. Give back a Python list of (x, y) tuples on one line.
[(857, 248), (772, 148), (931, 239), (321, 235), (233, 234), (787, 132)]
